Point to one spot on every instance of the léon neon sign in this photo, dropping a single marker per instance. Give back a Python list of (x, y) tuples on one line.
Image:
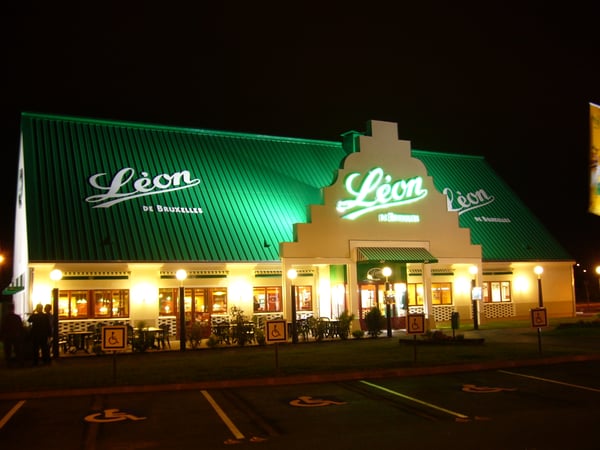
[(377, 190)]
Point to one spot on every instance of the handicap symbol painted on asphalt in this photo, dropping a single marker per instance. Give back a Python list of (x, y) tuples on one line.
[(484, 389), (307, 401), (111, 415)]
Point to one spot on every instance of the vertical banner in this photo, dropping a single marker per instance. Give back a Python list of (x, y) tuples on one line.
[(594, 159)]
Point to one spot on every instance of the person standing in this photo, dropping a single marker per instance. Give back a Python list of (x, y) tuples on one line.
[(40, 334), (48, 312), (12, 333)]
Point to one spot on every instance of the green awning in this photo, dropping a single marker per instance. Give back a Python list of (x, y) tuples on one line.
[(10, 290), (403, 254)]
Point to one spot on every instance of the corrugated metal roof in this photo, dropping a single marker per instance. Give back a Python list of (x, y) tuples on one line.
[(404, 254), (498, 219), (252, 190)]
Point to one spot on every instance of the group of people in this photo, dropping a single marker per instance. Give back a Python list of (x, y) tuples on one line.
[(17, 339)]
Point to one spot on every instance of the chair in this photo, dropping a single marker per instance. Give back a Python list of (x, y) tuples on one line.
[(164, 339)]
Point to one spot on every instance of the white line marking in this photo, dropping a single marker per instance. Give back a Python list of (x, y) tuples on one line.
[(11, 413), (416, 400), (236, 433), (550, 381)]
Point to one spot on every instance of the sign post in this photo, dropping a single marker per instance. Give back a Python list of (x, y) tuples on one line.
[(114, 337), (415, 324), (276, 332)]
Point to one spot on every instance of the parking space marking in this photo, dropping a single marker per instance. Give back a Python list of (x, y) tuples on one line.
[(577, 386), (236, 432), (11, 413), (416, 400)]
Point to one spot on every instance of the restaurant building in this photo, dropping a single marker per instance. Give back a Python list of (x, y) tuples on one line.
[(119, 208)]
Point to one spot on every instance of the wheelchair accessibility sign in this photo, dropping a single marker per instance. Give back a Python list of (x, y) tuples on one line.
[(114, 337), (539, 318), (415, 324), (276, 331), (111, 415)]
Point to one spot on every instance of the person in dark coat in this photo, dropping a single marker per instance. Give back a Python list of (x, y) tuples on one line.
[(41, 331), (12, 335)]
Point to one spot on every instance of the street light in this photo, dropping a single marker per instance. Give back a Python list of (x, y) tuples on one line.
[(473, 272), (538, 270), (598, 273), (386, 272), (56, 275), (292, 274), (181, 275)]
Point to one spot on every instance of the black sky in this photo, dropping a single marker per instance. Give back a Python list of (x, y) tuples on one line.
[(511, 83)]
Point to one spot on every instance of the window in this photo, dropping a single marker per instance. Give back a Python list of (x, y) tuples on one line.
[(103, 304), (441, 294), (304, 298), (496, 291), (111, 303), (267, 299), (198, 302)]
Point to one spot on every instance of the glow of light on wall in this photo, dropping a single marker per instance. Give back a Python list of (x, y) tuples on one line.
[(462, 285), (42, 293), (521, 284), (144, 293), (239, 293), (338, 294)]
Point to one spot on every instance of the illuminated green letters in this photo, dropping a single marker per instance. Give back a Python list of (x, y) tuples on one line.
[(376, 190)]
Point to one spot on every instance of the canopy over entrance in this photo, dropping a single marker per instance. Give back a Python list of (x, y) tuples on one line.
[(400, 254)]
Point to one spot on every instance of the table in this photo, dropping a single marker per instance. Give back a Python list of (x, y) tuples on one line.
[(78, 340), (147, 337)]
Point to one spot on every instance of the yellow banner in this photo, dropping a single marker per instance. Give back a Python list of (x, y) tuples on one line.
[(595, 159)]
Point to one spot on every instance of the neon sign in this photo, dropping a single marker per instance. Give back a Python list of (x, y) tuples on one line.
[(376, 190)]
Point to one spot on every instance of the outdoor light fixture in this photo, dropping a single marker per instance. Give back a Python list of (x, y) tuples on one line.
[(292, 274), (181, 275), (386, 272), (538, 270), (56, 275), (473, 272)]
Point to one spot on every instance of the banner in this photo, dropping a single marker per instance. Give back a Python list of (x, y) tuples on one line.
[(594, 159)]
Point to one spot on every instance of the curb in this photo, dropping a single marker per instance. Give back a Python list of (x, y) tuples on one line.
[(300, 379)]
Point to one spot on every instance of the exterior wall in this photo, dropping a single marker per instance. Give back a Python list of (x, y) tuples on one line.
[(330, 239)]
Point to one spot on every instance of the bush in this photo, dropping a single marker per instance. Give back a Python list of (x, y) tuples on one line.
[(344, 324), (212, 341), (358, 334), (375, 322)]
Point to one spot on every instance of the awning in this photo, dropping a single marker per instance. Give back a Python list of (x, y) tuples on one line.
[(402, 254), (10, 290)]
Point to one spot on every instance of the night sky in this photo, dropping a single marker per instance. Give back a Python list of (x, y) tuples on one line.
[(510, 83)]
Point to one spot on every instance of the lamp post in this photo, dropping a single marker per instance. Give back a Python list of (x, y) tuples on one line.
[(181, 275), (292, 274), (598, 273), (538, 270), (56, 275), (473, 272), (386, 272)]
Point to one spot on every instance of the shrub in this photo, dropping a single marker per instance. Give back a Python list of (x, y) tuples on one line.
[(212, 341), (344, 324), (358, 334), (375, 322)]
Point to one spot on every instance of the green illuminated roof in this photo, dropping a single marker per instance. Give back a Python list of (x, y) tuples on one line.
[(242, 195), (498, 219)]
